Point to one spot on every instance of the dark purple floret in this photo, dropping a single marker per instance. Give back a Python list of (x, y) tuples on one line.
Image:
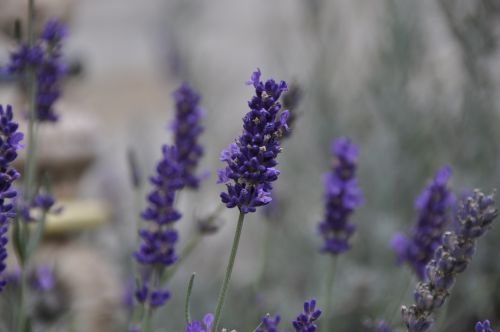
[(475, 215), (251, 160), (205, 326), (157, 249), (291, 100), (305, 321), (10, 140), (434, 207), (269, 324), (44, 58), (342, 197), (483, 326), (187, 129)]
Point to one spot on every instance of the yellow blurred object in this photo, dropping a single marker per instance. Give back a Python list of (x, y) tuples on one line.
[(76, 216)]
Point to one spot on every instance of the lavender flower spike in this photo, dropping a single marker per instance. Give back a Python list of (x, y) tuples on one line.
[(10, 140), (157, 250), (187, 129), (342, 196), (44, 58), (483, 326), (305, 321), (251, 159), (434, 205), (475, 215)]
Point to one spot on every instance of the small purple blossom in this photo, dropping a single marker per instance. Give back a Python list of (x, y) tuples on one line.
[(269, 324), (187, 129), (54, 32), (10, 140), (434, 205), (204, 326), (342, 197), (305, 321), (251, 160), (483, 326)]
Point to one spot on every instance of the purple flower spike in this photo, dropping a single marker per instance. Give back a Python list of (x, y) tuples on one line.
[(204, 326), (269, 324), (187, 129), (157, 249), (483, 326), (44, 58), (9, 144), (251, 160), (342, 196), (305, 321), (434, 205)]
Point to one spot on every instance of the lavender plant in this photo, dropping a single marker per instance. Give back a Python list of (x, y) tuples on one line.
[(342, 197), (475, 215), (251, 162), (157, 249), (434, 205)]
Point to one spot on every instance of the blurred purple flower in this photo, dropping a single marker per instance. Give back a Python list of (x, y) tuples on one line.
[(187, 129), (44, 278), (483, 326), (342, 197), (269, 324), (10, 140), (434, 205), (204, 326), (251, 160)]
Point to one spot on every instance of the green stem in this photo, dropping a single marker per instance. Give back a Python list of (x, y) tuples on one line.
[(187, 305), (330, 278), (265, 256), (229, 270)]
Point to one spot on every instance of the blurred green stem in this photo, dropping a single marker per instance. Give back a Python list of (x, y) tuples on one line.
[(187, 305), (30, 171), (229, 270), (330, 279)]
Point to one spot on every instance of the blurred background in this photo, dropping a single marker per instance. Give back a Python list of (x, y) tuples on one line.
[(416, 84)]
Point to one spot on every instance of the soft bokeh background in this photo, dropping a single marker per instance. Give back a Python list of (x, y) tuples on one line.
[(414, 83)]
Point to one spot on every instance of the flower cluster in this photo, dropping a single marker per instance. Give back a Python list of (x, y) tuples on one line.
[(342, 196), (251, 160), (157, 249), (475, 216), (44, 58), (187, 129), (204, 326), (269, 324), (483, 326), (10, 140), (305, 321), (434, 205)]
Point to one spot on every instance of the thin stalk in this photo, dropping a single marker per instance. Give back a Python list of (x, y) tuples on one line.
[(330, 279), (229, 270), (187, 305), (148, 310), (186, 251), (30, 170)]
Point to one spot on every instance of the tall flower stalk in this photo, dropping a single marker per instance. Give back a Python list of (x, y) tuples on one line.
[(475, 216), (251, 161), (342, 197)]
